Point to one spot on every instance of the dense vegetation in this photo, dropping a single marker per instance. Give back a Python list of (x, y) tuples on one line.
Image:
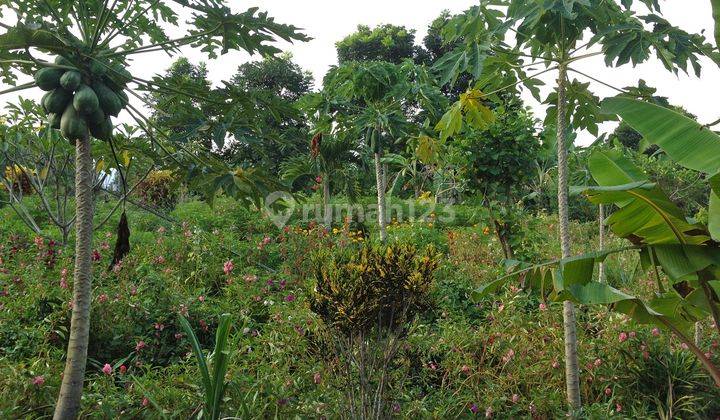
[(403, 238)]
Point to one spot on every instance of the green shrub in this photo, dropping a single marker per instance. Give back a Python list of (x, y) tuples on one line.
[(160, 188), (383, 286)]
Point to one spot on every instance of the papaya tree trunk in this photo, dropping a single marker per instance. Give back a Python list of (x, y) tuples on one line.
[(601, 244), (572, 371), (327, 210), (68, 404), (502, 231), (382, 219)]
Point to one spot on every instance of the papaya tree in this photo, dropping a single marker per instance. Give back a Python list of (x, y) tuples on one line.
[(78, 53), (555, 35), (377, 96)]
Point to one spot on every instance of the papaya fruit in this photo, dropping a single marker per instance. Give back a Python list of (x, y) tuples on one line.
[(54, 120), (96, 117), (42, 101), (98, 68), (119, 75), (103, 130), (57, 100), (48, 78), (71, 80), (72, 125), (62, 61), (123, 98), (85, 100), (110, 102)]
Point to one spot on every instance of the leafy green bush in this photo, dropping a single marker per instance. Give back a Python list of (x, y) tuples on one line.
[(383, 286)]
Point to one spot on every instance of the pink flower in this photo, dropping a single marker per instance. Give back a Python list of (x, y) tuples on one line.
[(38, 381), (318, 179), (63, 283), (140, 345), (103, 298), (201, 298), (317, 378), (632, 334), (508, 356), (684, 346), (515, 398), (488, 412), (597, 362), (290, 298), (266, 240), (645, 354), (161, 230), (96, 255), (107, 369), (618, 407), (39, 241), (123, 369), (656, 332), (708, 355), (608, 392), (555, 364), (160, 259), (474, 408), (104, 245), (228, 267), (465, 369), (543, 307), (623, 337), (145, 402)]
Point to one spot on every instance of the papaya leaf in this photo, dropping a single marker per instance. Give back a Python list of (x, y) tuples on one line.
[(716, 15)]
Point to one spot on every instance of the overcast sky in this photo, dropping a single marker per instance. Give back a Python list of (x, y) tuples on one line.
[(328, 21)]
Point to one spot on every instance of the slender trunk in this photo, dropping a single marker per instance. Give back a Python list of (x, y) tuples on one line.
[(382, 217), (68, 404), (501, 230), (385, 176), (327, 210), (572, 371), (698, 333), (601, 224)]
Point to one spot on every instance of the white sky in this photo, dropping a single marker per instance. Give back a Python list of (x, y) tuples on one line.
[(328, 21)]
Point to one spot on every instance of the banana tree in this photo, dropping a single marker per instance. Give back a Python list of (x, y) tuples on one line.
[(685, 251), (90, 43), (552, 34)]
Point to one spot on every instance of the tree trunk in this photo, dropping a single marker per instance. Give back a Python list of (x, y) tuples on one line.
[(382, 217), (68, 404), (327, 210), (501, 230), (385, 171), (572, 371), (601, 224)]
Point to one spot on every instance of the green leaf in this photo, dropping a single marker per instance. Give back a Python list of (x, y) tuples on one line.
[(685, 141), (200, 357), (714, 209)]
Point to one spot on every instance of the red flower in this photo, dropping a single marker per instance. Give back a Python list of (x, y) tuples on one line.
[(96, 255), (123, 369)]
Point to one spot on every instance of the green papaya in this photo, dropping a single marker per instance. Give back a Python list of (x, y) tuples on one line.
[(72, 125), (48, 78), (110, 102), (103, 130), (123, 97), (98, 68), (96, 117), (121, 76), (57, 100), (62, 61), (54, 120), (71, 80), (42, 102), (85, 100)]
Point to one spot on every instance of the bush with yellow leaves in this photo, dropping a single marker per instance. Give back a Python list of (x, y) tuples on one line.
[(18, 176), (380, 286), (160, 188)]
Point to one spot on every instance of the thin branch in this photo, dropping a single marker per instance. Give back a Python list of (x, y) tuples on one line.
[(117, 31), (598, 81), (18, 88), (179, 41)]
